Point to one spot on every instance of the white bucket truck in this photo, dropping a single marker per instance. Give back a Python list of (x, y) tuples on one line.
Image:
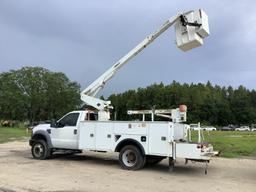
[(138, 142)]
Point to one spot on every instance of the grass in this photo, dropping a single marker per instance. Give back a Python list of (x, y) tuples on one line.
[(231, 143), (12, 133)]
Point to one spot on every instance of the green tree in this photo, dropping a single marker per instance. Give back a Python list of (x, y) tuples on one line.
[(35, 93), (206, 103)]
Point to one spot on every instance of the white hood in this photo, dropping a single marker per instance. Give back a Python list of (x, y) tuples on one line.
[(41, 127)]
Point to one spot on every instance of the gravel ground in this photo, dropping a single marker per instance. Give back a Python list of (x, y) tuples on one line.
[(90, 172)]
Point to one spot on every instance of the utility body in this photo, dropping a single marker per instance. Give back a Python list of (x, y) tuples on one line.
[(155, 140), (138, 142)]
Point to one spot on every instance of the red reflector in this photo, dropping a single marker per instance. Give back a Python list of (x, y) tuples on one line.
[(183, 108)]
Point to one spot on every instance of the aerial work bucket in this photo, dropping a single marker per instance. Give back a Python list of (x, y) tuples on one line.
[(191, 30)]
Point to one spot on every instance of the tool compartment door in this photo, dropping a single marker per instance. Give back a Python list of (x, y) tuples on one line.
[(104, 136), (158, 139), (87, 135)]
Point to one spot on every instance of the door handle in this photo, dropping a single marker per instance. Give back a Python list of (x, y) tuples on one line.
[(91, 135), (75, 131)]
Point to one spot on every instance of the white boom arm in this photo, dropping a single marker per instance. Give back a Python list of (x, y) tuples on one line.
[(190, 24)]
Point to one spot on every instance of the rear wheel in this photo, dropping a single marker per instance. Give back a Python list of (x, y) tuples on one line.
[(40, 150), (131, 158)]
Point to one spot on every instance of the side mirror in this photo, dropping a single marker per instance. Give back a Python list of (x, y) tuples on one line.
[(54, 123)]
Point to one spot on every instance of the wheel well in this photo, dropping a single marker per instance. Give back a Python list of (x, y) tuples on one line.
[(39, 137), (129, 142)]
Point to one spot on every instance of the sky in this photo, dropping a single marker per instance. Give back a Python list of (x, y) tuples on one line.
[(83, 38)]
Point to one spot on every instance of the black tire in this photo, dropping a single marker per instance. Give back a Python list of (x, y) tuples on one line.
[(131, 158), (40, 150), (153, 160)]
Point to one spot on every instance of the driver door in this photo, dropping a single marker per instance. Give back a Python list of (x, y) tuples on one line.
[(65, 134)]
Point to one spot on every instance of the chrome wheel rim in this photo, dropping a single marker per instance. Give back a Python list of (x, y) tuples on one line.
[(129, 158), (38, 150)]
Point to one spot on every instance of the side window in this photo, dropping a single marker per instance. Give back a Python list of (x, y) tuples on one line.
[(69, 120), (91, 117)]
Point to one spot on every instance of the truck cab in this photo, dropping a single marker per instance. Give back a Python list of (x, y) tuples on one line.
[(61, 134)]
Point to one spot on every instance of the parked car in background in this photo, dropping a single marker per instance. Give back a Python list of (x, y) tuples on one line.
[(209, 128), (194, 127), (253, 129), (243, 128)]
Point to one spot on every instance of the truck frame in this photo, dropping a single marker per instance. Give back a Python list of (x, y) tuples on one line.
[(138, 142)]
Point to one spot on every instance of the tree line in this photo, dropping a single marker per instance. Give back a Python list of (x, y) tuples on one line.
[(207, 103), (37, 94)]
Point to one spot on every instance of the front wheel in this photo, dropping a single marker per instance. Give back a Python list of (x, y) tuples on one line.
[(131, 158), (40, 150)]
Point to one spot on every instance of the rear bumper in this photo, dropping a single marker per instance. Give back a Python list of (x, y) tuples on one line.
[(195, 151), (208, 155), (211, 154), (208, 152)]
